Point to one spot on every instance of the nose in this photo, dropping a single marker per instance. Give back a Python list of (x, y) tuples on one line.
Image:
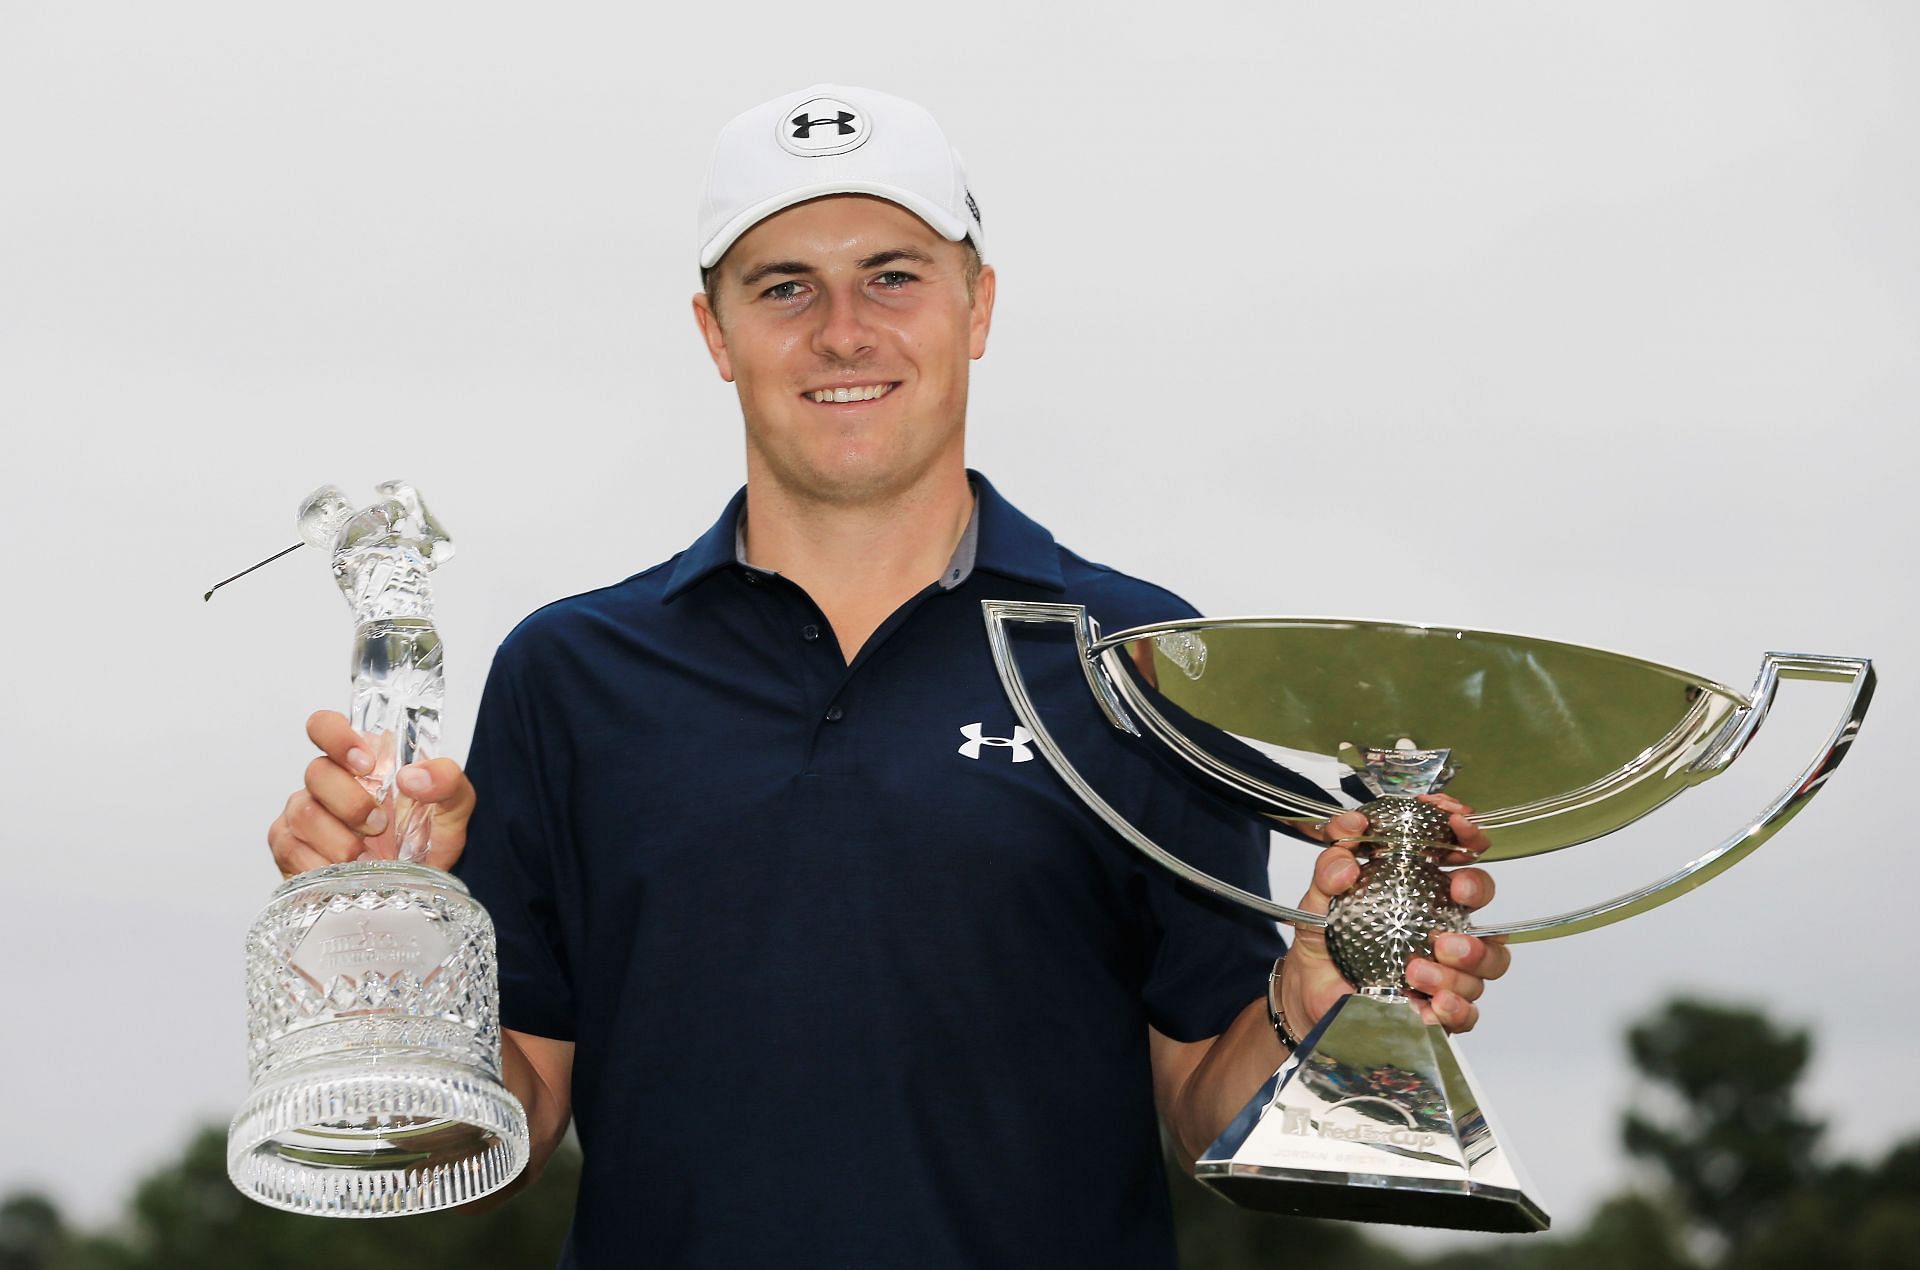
[(842, 333)]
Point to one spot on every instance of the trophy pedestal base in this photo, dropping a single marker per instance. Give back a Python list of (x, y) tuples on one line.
[(375, 1048), (1374, 1119), (382, 1136)]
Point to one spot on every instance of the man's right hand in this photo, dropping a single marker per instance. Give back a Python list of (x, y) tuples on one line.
[(326, 822), (333, 819)]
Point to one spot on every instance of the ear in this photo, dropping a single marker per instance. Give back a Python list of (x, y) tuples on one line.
[(982, 316), (715, 338)]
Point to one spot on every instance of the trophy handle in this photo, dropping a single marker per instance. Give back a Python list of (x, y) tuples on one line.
[(1739, 730), (1000, 614)]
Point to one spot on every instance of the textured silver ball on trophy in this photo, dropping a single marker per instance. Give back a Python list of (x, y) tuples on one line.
[(373, 1034), (1401, 898), (1375, 1117)]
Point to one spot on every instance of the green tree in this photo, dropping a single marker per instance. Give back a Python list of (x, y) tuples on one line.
[(1855, 1217), (31, 1232), (187, 1216), (1733, 1142), (1628, 1232)]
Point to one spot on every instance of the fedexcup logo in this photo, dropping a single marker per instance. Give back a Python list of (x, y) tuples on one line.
[(821, 126), (1018, 742), (1360, 1119)]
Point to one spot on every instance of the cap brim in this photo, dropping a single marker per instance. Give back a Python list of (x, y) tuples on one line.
[(944, 222)]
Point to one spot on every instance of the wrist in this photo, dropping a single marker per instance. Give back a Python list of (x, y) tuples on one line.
[(1276, 1009)]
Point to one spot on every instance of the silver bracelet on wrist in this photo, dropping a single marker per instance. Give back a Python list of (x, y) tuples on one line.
[(1275, 1014)]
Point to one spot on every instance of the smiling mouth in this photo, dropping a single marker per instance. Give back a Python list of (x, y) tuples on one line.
[(855, 393)]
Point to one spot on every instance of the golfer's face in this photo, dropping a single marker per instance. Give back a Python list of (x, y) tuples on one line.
[(846, 328)]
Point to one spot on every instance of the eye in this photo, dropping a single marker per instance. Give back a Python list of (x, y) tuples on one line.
[(894, 279), (782, 291)]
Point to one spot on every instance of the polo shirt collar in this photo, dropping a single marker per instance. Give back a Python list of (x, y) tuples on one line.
[(999, 538), (1012, 544), (710, 552)]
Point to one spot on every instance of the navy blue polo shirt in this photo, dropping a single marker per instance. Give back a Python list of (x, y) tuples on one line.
[(854, 979)]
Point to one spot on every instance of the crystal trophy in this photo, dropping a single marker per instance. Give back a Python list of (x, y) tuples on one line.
[(1376, 1117), (373, 1032)]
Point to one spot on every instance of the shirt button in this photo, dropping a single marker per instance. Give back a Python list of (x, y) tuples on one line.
[(809, 632), (835, 714)]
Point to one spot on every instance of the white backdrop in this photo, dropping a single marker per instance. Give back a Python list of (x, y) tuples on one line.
[(1616, 304)]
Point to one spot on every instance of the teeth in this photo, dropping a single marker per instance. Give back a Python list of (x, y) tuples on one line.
[(865, 392)]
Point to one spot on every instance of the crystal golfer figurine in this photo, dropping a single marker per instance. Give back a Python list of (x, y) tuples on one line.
[(373, 1031)]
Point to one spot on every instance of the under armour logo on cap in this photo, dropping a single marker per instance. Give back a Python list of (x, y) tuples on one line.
[(821, 126), (1018, 742), (803, 124)]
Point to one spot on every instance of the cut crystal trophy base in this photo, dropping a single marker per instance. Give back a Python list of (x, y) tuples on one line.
[(374, 1048), (1375, 1119), (392, 1134)]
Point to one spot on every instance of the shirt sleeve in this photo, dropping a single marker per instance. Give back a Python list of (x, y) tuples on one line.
[(1211, 956), (1208, 957), (509, 863)]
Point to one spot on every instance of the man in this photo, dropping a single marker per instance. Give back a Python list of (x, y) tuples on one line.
[(825, 977)]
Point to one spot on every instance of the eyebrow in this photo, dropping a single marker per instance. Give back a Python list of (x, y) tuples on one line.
[(760, 273), (888, 257), (763, 272)]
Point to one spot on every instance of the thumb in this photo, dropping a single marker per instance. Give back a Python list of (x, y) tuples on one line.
[(1310, 981), (440, 784), (1334, 872)]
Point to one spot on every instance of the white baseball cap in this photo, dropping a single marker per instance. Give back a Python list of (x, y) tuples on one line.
[(831, 139)]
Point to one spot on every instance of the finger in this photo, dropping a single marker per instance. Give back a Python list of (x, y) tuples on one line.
[(1470, 841), (440, 783), (1432, 978), (337, 790), (1348, 826), (1345, 825), (1469, 838), (1470, 888), (1447, 802), (315, 827), (1334, 871), (1454, 1013), (336, 738), (290, 855), (1488, 958)]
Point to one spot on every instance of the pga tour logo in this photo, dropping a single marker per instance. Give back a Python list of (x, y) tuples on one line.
[(1019, 742), (821, 126)]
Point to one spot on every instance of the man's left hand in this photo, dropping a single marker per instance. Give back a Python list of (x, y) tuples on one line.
[(1446, 986)]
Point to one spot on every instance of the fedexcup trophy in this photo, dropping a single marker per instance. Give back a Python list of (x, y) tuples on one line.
[(373, 1034), (1375, 1117)]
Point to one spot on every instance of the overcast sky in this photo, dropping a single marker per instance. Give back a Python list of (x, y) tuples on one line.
[(1614, 306)]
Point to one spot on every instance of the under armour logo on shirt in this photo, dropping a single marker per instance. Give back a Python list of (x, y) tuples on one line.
[(1018, 742)]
